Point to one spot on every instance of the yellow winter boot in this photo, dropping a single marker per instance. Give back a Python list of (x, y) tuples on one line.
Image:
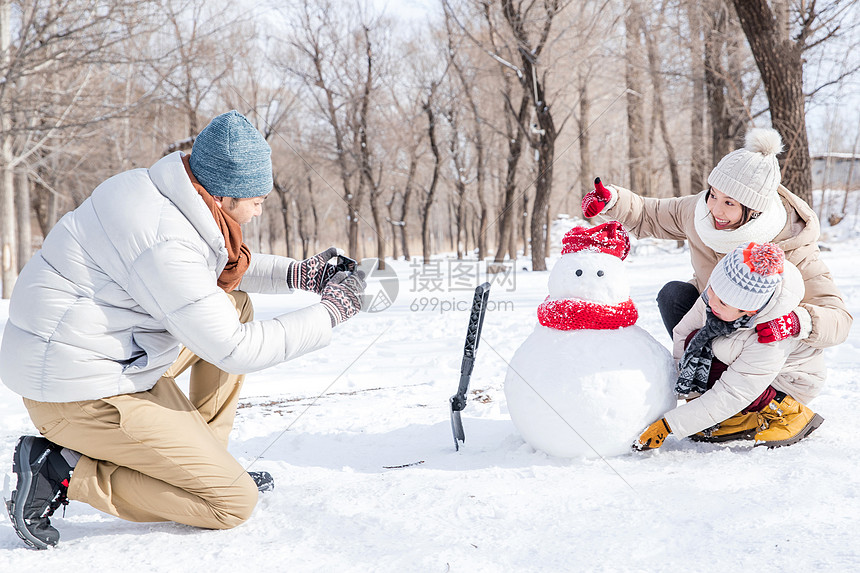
[(739, 427), (788, 421)]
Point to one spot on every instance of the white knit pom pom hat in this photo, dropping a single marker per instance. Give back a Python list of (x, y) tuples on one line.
[(751, 174)]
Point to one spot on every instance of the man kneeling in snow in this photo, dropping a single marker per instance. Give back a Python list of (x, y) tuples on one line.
[(155, 259), (743, 389)]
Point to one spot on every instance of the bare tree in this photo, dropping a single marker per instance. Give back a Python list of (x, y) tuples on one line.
[(697, 98), (430, 195), (197, 57), (542, 134), (363, 149), (405, 201), (585, 168), (725, 66), (637, 140), (460, 175), (406, 160), (659, 106), (283, 192), (468, 88), (325, 60), (514, 136), (50, 55), (780, 57)]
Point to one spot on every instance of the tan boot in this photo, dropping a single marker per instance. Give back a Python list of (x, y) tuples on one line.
[(788, 421), (739, 427)]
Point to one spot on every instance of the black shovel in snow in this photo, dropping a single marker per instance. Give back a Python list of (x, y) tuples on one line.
[(473, 335)]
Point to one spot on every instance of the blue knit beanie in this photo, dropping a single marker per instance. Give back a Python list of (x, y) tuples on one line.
[(230, 158)]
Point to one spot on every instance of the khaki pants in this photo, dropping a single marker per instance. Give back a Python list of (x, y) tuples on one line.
[(159, 455)]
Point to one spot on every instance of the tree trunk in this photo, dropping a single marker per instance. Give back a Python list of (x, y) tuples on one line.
[(512, 239), (715, 82), (479, 159), (697, 100), (404, 207), (586, 180), (736, 108), (392, 221), (780, 63), (483, 218), (7, 192), (660, 111), (45, 205), (524, 225), (301, 223), (543, 140), (352, 201), (285, 213), (378, 228), (637, 148), (431, 193), (365, 154), (8, 247), (509, 210), (23, 215), (316, 230), (459, 207), (543, 187)]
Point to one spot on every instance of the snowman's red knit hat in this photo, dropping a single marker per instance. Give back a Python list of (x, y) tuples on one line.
[(609, 238)]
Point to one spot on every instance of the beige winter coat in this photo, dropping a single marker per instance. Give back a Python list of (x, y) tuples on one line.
[(791, 365), (826, 321)]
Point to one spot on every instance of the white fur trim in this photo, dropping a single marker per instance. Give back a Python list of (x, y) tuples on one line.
[(761, 230), (614, 199), (805, 322)]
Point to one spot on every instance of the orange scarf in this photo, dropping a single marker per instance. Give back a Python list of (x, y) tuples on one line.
[(238, 254)]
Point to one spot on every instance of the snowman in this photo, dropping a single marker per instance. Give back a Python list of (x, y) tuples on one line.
[(588, 380)]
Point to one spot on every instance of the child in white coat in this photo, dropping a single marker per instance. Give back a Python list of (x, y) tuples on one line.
[(727, 371)]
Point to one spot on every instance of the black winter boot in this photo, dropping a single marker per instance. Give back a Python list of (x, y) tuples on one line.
[(43, 481), (264, 481)]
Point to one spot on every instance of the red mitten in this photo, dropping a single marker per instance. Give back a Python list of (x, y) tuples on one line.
[(778, 328), (594, 202)]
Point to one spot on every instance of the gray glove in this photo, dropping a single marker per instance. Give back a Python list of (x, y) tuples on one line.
[(308, 274), (341, 297)]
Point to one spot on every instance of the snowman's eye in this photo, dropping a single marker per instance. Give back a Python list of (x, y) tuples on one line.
[(579, 272), (600, 273)]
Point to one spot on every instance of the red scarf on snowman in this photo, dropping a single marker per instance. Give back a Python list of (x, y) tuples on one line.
[(578, 314)]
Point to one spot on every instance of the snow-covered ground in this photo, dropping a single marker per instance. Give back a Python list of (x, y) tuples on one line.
[(327, 425)]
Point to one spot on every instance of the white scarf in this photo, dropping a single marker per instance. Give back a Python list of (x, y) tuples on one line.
[(763, 229)]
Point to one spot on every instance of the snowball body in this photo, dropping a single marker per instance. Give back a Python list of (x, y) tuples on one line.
[(588, 393)]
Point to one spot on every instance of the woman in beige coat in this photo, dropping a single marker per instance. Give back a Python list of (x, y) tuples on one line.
[(726, 370), (745, 202)]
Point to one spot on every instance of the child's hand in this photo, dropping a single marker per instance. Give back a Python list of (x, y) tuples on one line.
[(653, 437), (778, 328)]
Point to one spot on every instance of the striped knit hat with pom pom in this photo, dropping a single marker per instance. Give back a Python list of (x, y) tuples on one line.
[(747, 277), (751, 174)]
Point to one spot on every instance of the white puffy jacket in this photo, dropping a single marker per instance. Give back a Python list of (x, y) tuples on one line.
[(791, 365), (124, 279)]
